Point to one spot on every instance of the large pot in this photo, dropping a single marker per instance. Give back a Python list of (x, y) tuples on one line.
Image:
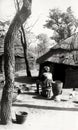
[(21, 117), (57, 87)]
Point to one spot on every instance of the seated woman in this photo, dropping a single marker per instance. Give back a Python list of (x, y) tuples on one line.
[(46, 81), (46, 77)]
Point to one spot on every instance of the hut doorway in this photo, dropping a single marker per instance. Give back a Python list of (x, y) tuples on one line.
[(57, 70)]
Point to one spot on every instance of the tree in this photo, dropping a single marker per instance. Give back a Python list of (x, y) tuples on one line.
[(23, 41), (6, 101), (63, 23), (24, 45), (43, 43)]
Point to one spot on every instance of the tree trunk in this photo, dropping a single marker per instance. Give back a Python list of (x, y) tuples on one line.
[(9, 58), (24, 44), (26, 62)]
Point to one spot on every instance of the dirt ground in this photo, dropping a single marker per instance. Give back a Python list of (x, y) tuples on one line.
[(44, 114)]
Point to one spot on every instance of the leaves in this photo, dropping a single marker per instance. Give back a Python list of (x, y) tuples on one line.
[(63, 23)]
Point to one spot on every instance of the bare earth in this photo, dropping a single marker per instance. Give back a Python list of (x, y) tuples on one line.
[(45, 114)]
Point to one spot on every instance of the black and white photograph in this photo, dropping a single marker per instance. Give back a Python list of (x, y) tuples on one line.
[(38, 65)]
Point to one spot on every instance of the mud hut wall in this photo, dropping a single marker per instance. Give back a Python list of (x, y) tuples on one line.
[(59, 72), (71, 78), (66, 73), (19, 63)]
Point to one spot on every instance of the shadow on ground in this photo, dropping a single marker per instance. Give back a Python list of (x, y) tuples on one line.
[(41, 97), (28, 93), (45, 107), (25, 79)]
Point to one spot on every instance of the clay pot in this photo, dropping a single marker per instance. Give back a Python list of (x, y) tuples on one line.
[(21, 117), (57, 88)]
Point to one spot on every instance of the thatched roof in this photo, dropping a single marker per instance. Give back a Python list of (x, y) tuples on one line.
[(66, 52)]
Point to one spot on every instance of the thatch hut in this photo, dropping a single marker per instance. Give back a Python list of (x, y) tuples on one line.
[(19, 57), (63, 61)]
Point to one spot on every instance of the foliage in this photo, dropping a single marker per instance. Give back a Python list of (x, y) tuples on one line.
[(63, 23), (4, 25), (43, 43)]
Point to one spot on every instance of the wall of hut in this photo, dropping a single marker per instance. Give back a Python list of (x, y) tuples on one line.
[(57, 70), (71, 77), (66, 73), (19, 63)]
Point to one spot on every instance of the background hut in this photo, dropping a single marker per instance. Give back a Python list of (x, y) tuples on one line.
[(19, 57)]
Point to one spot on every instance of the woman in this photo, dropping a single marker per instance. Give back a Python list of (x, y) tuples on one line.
[(46, 82)]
